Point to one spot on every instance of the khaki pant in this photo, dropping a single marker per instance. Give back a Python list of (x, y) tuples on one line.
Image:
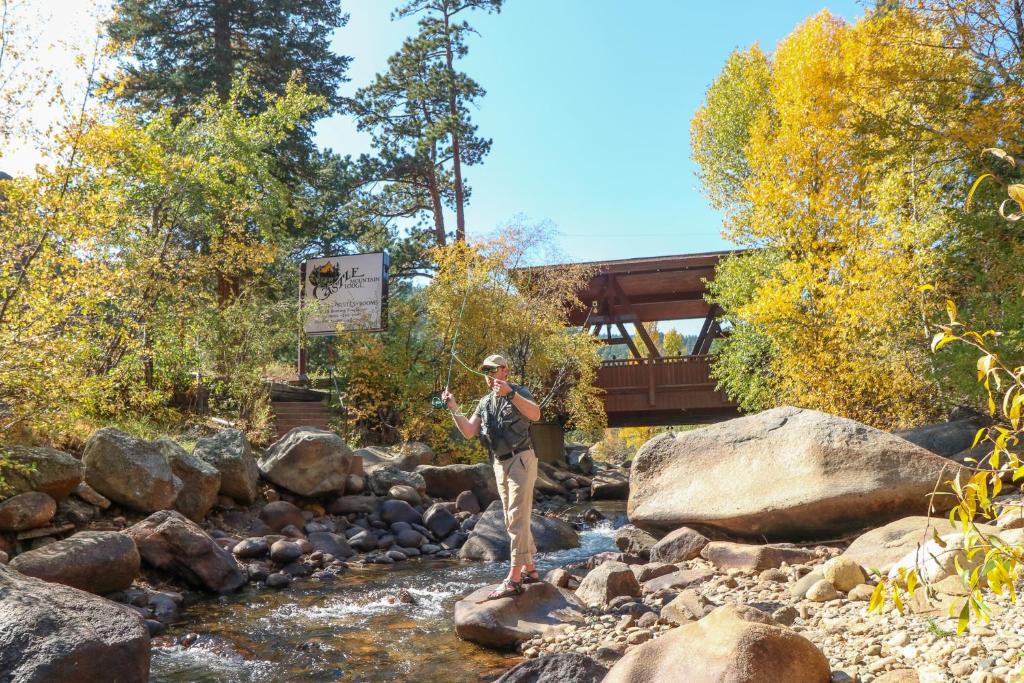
[(516, 478)]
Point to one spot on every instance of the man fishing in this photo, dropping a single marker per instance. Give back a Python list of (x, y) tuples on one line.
[(502, 419)]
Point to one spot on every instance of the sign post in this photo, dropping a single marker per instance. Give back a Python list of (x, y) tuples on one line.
[(350, 293)]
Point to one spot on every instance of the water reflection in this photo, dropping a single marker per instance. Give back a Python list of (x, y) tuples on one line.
[(355, 629)]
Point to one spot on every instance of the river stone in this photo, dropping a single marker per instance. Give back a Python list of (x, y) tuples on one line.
[(331, 544), (798, 591), (540, 609), (792, 474), (881, 548), (753, 558), (91, 496), (362, 505), (284, 551), (578, 459), (26, 511), (735, 644), (406, 493), (634, 541), (467, 502), (50, 633), (94, 561), (564, 667), (843, 573), (610, 485), (822, 591), (677, 580), (945, 438), (201, 481), (170, 541), (652, 570), (53, 472), (607, 582), (229, 453), (398, 511), (688, 606), (381, 478), (439, 520), (490, 542), (355, 484), (249, 548), (281, 513), (309, 461), (449, 481), (410, 538), (364, 541), (129, 470), (681, 545)]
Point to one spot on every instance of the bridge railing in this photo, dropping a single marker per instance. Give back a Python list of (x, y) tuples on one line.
[(672, 383)]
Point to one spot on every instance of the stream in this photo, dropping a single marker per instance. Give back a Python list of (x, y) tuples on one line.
[(355, 629)]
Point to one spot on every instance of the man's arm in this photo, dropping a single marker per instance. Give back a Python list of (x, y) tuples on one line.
[(469, 427), (529, 409)]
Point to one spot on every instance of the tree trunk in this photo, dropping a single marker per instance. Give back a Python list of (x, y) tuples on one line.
[(223, 59), (453, 111)]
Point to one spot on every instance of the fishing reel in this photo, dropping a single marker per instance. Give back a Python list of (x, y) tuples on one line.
[(436, 401)]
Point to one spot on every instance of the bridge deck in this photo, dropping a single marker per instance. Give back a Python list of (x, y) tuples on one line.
[(662, 391)]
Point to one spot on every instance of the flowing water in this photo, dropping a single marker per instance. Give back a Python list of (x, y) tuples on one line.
[(354, 629)]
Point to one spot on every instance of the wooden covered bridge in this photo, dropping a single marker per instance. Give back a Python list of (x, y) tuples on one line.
[(649, 388)]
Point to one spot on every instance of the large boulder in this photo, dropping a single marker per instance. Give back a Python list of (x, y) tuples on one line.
[(330, 544), (129, 470), (790, 473), (309, 461), (399, 511), (200, 480), (230, 454), (280, 513), (539, 609), (169, 541), (490, 542), (359, 504), (47, 470), (440, 520), (944, 438), (26, 511), (879, 549), (94, 561), (380, 479), (564, 667), (53, 633), (448, 481), (606, 582), (731, 644)]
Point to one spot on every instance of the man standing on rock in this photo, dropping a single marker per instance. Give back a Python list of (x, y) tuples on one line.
[(502, 419)]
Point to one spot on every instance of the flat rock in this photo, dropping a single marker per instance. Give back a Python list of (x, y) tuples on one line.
[(170, 541), (50, 632), (734, 644), (676, 580), (98, 562), (363, 505), (793, 474), (230, 454), (564, 667), (540, 609), (753, 558)]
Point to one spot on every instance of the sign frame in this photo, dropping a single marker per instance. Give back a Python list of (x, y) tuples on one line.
[(385, 280)]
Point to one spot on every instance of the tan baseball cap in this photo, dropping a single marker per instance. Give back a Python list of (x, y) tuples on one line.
[(494, 361)]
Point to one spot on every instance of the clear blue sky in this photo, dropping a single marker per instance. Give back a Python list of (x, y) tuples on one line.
[(589, 105)]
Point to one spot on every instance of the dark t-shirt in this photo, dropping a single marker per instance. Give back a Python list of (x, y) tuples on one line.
[(502, 427)]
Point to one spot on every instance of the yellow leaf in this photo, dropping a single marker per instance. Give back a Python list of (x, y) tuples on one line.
[(974, 188), (877, 597), (926, 288), (951, 310), (1016, 193), (897, 601), (965, 617)]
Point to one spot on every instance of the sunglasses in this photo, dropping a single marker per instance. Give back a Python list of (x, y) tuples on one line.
[(491, 370)]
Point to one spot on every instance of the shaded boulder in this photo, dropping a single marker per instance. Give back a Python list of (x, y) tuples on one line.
[(52, 472), (281, 513), (735, 644), (200, 480), (467, 502), (883, 547), (169, 541), (129, 470), (944, 438), (406, 493), (606, 582), (448, 481), (754, 558), (489, 540), (578, 459), (331, 544), (26, 511), (50, 632), (609, 485), (398, 511), (309, 461), (363, 505), (539, 609), (681, 545), (412, 454), (98, 562), (792, 474), (564, 667), (634, 541), (381, 478), (439, 520), (229, 453)]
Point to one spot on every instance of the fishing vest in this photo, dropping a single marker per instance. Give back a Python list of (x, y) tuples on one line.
[(503, 428)]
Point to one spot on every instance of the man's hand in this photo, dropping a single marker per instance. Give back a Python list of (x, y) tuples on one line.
[(449, 400), (501, 387)]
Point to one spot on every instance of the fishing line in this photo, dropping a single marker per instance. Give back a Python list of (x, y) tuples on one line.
[(435, 399)]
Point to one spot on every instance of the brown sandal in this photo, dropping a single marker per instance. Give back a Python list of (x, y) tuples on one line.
[(531, 577), (506, 589)]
